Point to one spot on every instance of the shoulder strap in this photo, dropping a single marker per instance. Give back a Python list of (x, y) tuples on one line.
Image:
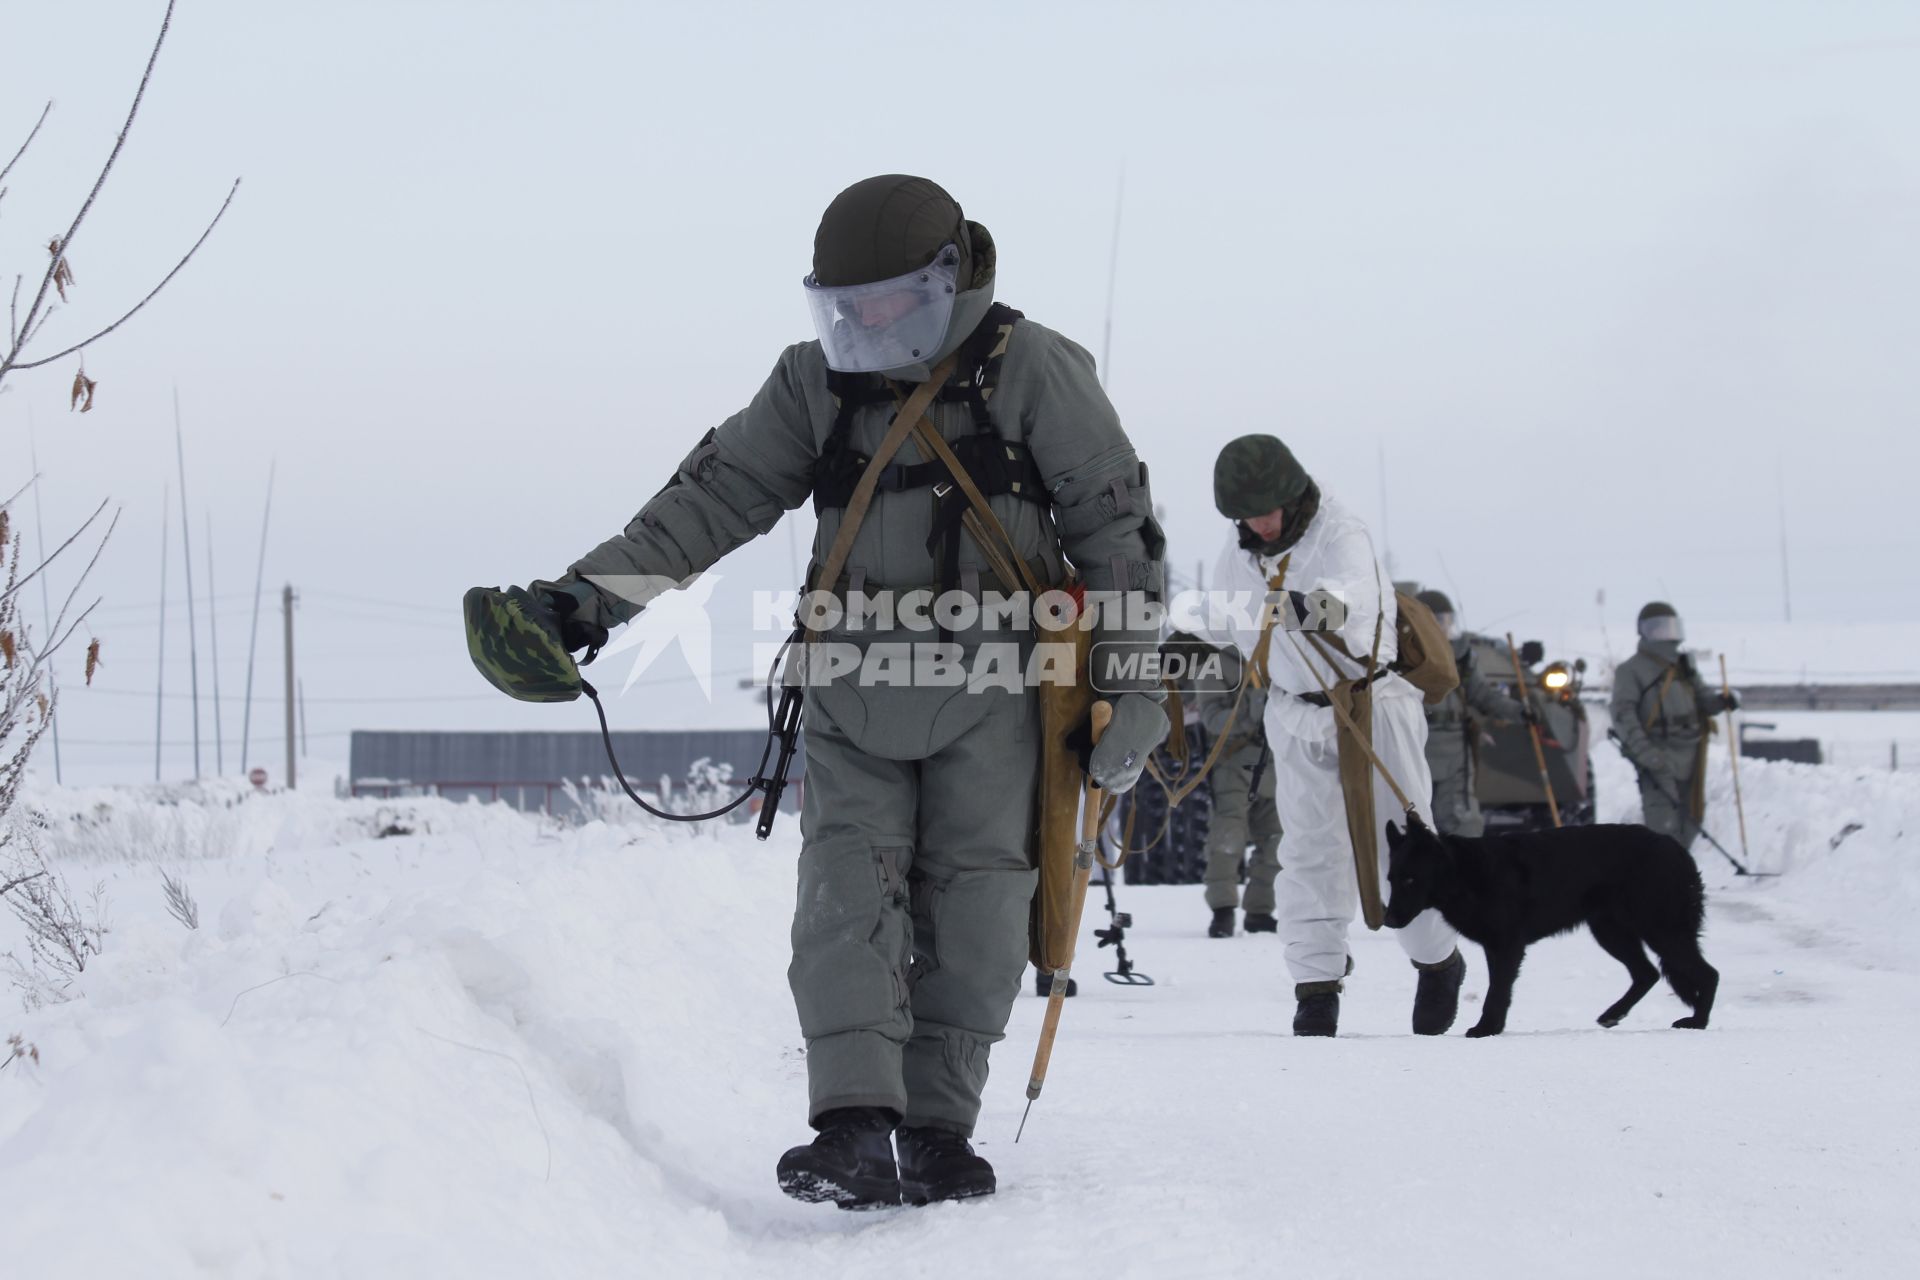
[(983, 521), (856, 511), (1659, 708), (1257, 660)]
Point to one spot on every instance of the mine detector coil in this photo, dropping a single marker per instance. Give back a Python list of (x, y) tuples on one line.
[(981, 464)]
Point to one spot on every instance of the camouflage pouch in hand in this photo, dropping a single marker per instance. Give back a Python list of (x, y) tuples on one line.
[(515, 644)]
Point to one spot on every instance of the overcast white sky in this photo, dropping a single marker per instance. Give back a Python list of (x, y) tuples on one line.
[(1588, 277)]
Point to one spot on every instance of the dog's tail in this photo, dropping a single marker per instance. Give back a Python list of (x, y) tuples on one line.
[(1696, 898)]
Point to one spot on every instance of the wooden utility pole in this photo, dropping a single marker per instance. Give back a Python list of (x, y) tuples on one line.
[(286, 606)]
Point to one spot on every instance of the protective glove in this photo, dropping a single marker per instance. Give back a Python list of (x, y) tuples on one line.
[(1116, 762), (515, 640), (1729, 701)]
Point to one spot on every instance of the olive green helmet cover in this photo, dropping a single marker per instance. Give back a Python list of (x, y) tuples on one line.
[(514, 643), (887, 226), (1255, 475)]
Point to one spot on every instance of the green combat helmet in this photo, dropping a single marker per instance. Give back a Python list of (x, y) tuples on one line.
[(1660, 621), (900, 277), (514, 643), (1257, 474)]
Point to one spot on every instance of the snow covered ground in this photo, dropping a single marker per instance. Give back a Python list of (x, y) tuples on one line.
[(497, 1048)]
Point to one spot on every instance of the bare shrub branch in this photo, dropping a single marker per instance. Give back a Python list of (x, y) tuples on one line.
[(31, 135), (151, 294), (180, 903), (18, 1047), (61, 936), (23, 329)]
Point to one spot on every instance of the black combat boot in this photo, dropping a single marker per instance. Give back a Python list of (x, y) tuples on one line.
[(938, 1164), (1043, 984), (1437, 1000), (850, 1163), (1261, 922), (1318, 1013), (1222, 926)]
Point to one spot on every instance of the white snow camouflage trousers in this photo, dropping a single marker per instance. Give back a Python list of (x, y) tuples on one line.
[(1318, 894)]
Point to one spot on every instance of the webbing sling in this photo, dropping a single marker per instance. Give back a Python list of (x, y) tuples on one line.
[(981, 522), (1659, 709), (1373, 661), (1255, 668), (856, 510)]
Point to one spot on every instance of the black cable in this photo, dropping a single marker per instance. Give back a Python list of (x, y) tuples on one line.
[(752, 784), (777, 731)]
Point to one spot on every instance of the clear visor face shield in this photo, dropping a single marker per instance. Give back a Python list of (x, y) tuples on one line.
[(1665, 627), (1449, 624), (867, 328)]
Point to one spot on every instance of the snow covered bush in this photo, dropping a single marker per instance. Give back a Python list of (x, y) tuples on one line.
[(60, 936)]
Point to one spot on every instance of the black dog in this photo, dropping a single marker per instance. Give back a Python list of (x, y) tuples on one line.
[(1627, 884)]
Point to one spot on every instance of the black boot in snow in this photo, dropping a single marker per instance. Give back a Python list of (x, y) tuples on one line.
[(1319, 1011), (850, 1163), (1222, 926), (1043, 984), (1437, 1001), (1260, 922), (938, 1164)]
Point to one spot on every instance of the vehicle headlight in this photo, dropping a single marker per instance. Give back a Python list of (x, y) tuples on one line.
[(1556, 677)]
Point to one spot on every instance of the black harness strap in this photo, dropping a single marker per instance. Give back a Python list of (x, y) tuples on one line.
[(998, 466)]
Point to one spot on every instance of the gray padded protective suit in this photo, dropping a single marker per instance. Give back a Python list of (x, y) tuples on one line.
[(910, 925), (1665, 755), (1243, 808), (1450, 749)]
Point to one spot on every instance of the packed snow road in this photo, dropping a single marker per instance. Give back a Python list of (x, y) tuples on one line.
[(490, 1049)]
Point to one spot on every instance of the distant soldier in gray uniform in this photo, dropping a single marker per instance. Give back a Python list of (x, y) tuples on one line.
[(1662, 710), (910, 930), (1243, 808), (1453, 728)]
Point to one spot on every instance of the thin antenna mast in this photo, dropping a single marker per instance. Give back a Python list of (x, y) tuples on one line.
[(1386, 530), (1786, 587), (160, 680), (186, 554), (46, 603), (213, 643), (253, 635), (1113, 279)]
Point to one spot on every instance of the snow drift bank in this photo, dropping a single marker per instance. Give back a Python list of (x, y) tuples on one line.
[(1845, 842), (494, 1046)]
